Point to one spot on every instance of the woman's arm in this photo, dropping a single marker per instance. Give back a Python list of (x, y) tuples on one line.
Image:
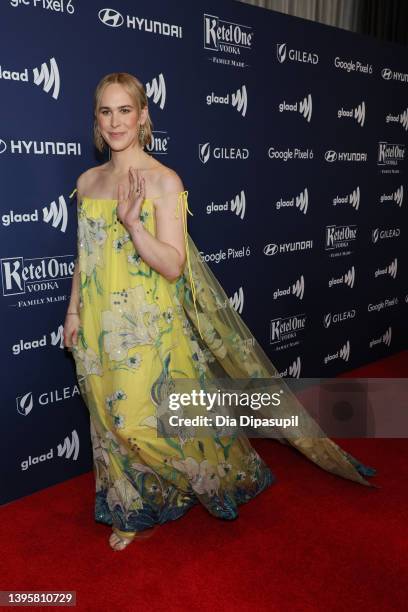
[(73, 305), (164, 252)]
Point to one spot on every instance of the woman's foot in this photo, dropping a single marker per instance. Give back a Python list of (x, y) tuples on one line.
[(120, 539)]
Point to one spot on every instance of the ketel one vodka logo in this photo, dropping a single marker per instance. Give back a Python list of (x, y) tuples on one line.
[(303, 106), (21, 275), (156, 90), (286, 329), (68, 449), (339, 236), (159, 144), (390, 154), (46, 77), (226, 36), (239, 100), (56, 215)]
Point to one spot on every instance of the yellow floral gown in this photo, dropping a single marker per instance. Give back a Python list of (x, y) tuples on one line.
[(137, 332)]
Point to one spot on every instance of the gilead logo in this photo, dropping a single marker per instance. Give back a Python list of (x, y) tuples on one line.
[(69, 449)]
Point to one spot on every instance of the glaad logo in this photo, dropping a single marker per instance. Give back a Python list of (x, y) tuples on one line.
[(347, 279), (401, 118), (69, 449), (390, 154), (358, 113), (391, 75), (391, 269), (338, 317), (156, 89), (385, 338), (239, 100), (352, 198), (295, 55), (204, 152), (297, 289), (226, 36), (40, 274), (343, 353), (293, 370), (304, 107), (114, 19), (345, 156), (236, 205), (56, 215), (286, 247), (339, 236), (397, 196), (27, 345), (237, 300), (301, 202), (286, 328), (47, 78), (378, 234)]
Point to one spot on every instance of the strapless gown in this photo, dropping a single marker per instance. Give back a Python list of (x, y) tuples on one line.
[(138, 331)]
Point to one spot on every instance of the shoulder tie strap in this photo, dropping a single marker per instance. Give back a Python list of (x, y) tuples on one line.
[(182, 199)]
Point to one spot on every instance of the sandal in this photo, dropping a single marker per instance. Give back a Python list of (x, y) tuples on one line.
[(119, 539)]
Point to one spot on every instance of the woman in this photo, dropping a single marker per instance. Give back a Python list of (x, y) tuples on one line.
[(146, 310)]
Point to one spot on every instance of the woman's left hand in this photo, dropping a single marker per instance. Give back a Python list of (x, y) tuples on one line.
[(129, 208)]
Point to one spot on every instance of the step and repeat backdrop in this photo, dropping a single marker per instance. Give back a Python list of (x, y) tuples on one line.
[(291, 138)]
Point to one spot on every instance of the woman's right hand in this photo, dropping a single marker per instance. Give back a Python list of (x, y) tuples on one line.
[(71, 327)]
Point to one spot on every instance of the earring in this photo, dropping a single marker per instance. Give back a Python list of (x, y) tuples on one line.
[(141, 134)]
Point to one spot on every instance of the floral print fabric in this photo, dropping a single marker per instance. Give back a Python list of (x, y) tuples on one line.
[(134, 338)]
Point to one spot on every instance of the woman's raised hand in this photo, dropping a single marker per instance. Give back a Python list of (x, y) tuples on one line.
[(129, 207)]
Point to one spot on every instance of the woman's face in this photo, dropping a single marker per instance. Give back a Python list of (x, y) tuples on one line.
[(117, 118)]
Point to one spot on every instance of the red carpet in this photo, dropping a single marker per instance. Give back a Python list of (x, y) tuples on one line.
[(311, 542)]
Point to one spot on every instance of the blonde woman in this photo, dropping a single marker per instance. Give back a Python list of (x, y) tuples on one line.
[(145, 310)]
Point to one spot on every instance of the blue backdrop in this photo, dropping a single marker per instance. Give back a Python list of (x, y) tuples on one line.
[(291, 139)]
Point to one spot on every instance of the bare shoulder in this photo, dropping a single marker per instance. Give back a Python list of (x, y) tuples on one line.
[(86, 179), (169, 183)]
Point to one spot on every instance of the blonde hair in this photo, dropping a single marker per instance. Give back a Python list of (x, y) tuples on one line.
[(138, 94)]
